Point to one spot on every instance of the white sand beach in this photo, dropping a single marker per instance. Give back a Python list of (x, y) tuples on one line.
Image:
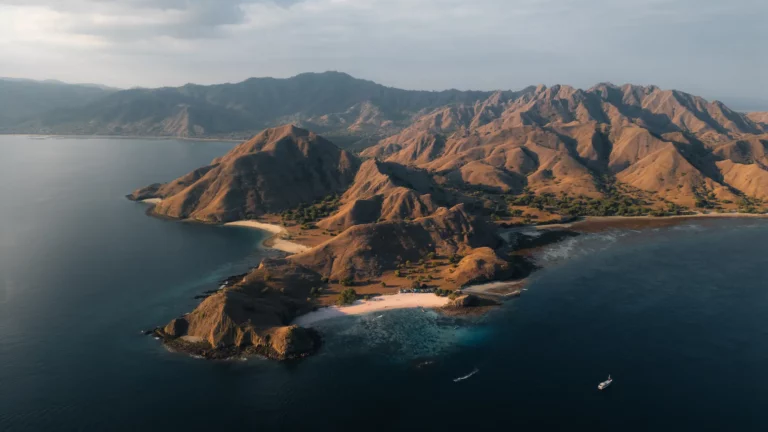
[(275, 242), (152, 201), (376, 304)]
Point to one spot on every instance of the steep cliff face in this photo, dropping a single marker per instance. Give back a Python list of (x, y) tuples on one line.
[(276, 170)]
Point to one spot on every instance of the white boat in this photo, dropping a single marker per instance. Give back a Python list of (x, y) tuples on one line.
[(466, 376), (603, 385)]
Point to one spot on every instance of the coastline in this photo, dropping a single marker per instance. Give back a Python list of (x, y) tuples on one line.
[(375, 304), (274, 241), (143, 137), (591, 222)]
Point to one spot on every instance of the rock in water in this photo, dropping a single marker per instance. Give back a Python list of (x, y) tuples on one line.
[(292, 341)]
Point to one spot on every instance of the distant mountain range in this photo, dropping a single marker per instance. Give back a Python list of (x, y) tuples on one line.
[(332, 103), (354, 113), (23, 102)]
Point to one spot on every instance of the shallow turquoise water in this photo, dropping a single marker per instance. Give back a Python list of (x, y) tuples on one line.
[(677, 316)]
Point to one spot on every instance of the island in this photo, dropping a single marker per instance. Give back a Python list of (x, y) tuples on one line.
[(435, 208)]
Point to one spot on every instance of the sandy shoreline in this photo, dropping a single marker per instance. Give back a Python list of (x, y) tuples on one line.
[(376, 304), (274, 242)]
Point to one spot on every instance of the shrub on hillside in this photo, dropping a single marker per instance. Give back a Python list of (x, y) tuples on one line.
[(348, 296)]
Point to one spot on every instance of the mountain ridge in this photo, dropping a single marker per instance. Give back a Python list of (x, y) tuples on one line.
[(559, 139), (354, 113), (329, 102)]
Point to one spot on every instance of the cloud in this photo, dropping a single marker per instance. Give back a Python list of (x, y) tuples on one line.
[(699, 45), (130, 20)]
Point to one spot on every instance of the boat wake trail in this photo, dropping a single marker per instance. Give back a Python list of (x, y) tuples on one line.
[(466, 376)]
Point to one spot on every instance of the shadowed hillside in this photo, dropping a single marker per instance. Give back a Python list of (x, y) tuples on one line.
[(22, 100)]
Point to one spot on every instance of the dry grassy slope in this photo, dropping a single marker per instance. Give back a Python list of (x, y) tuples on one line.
[(479, 265), (363, 252), (760, 118), (255, 312), (278, 169), (562, 139), (385, 191)]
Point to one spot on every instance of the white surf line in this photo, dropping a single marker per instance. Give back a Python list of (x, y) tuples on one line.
[(466, 376)]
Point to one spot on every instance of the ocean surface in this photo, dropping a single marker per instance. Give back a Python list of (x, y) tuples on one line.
[(678, 316)]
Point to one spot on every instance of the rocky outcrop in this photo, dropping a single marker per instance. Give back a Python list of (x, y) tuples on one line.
[(468, 305), (251, 316), (480, 265), (292, 341), (464, 301)]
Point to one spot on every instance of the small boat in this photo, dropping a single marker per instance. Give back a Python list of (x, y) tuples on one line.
[(604, 385), (466, 376)]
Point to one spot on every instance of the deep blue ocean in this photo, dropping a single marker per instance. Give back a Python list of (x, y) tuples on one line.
[(678, 316)]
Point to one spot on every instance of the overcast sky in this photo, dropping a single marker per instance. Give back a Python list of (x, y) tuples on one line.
[(710, 47)]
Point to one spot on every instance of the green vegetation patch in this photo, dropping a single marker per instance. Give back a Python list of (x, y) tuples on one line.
[(307, 215)]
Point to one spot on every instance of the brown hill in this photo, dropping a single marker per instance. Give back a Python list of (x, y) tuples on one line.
[(480, 265), (386, 191), (567, 140), (760, 118), (252, 315), (363, 252), (277, 169)]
